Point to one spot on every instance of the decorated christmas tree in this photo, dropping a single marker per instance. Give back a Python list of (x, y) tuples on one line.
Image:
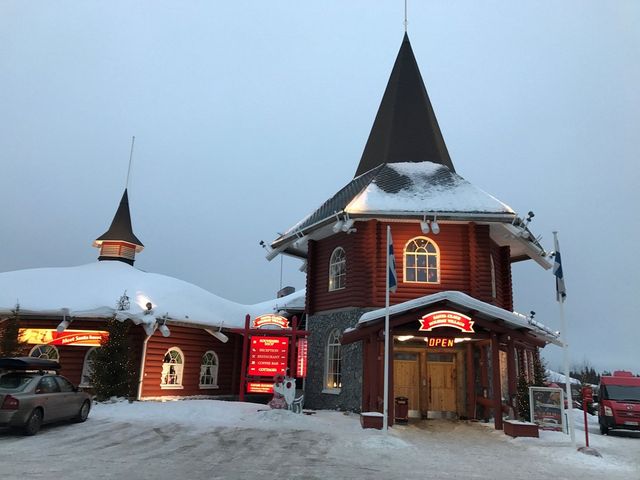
[(10, 344), (113, 367)]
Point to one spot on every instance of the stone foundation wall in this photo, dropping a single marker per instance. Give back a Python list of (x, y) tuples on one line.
[(316, 396)]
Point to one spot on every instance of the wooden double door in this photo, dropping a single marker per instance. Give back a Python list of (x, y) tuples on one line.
[(427, 379)]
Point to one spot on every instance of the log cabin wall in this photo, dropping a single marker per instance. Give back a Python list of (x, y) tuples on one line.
[(360, 251), (466, 251), (193, 342)]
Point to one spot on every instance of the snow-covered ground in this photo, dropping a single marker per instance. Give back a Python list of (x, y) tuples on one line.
[(206, 439)]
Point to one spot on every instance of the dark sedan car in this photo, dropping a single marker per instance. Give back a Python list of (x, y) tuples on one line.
[(32, 394)]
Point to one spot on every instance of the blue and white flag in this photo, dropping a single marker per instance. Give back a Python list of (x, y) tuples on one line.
[(391, 262), (561, 291)]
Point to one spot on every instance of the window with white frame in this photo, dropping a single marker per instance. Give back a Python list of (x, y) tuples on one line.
[(338, 270), (209, 370), (87, 367), (333, 365), (421, 261), (45, 351), (172, 366)]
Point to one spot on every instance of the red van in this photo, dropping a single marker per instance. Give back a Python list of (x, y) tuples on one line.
[(619, 402)]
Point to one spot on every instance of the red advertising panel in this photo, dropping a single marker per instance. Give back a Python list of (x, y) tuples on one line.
[(446, 318), (301, 370), (75, 338), (259, 387), (268, 356)]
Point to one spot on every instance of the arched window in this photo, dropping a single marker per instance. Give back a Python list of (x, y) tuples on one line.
[(87, 367), (209, 370), (45, 351), (333, 365), (172, 366), (421, 261), (337, 270)]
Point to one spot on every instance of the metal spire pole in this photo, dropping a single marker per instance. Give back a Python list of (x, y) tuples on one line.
[(405, 16), (133, 139)]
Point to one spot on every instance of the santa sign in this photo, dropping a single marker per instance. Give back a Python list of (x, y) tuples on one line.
[(446, 318)]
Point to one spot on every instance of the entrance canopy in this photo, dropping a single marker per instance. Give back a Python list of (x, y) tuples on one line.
[(484, 314)]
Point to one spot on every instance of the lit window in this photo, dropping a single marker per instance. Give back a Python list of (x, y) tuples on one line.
[(209, 370), (421, 261), (337, 269), (172, 369), (45, 351), (333, 367), (87, 367)]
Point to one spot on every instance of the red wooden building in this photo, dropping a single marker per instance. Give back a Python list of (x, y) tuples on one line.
[(184, 339), (457, 347)]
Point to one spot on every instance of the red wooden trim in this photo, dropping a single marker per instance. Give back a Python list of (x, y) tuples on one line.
[(471, 376), (495, 364), (245, 351), (293, 347), (511, 369)]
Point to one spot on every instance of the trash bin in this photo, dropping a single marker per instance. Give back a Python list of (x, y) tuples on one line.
[(401, 410)]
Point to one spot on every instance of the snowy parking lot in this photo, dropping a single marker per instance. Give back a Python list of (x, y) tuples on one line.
[(206, 439)]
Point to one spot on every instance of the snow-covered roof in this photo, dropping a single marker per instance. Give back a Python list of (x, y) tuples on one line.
[(423, 187), (93, 291), (555, 377), (513, 319)]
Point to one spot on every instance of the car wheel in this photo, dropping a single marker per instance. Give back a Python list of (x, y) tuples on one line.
[(34, 423), (604, 429), (84, 412)]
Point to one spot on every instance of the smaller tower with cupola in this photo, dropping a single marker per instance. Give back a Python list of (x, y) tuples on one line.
[(119, 242)]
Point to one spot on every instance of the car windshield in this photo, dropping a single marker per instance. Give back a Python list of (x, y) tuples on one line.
[(622, 393), (15, 381)]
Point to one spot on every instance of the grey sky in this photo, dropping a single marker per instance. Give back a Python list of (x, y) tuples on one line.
[(248, 115)]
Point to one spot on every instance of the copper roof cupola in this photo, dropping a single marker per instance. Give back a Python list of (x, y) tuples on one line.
[(405, 128), (119, 242)]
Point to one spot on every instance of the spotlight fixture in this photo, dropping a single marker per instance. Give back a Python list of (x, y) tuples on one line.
[(162, 326), (348, 225), (435, 228), (149, 328), (338, 226), (66, 321), (63, 325), (424, 226)]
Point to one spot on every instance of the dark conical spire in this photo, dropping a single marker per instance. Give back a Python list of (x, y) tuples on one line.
[(405, 128), (119, 242)]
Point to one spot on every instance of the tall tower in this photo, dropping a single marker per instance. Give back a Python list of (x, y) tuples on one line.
[(454, 244)]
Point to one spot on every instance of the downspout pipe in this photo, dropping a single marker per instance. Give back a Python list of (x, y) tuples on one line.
[(142, 365)]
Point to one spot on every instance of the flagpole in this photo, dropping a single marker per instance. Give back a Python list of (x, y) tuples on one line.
[(565, 351), (565, 354), (385, 408)]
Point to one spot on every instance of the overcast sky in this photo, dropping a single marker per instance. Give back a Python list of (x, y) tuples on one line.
[(248, 115)]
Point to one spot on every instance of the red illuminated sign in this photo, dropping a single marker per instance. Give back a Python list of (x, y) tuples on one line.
[(276, 320), (268, 356), (301, 370), (440, 342), (74, 338), (445, 318), (259, 387)]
